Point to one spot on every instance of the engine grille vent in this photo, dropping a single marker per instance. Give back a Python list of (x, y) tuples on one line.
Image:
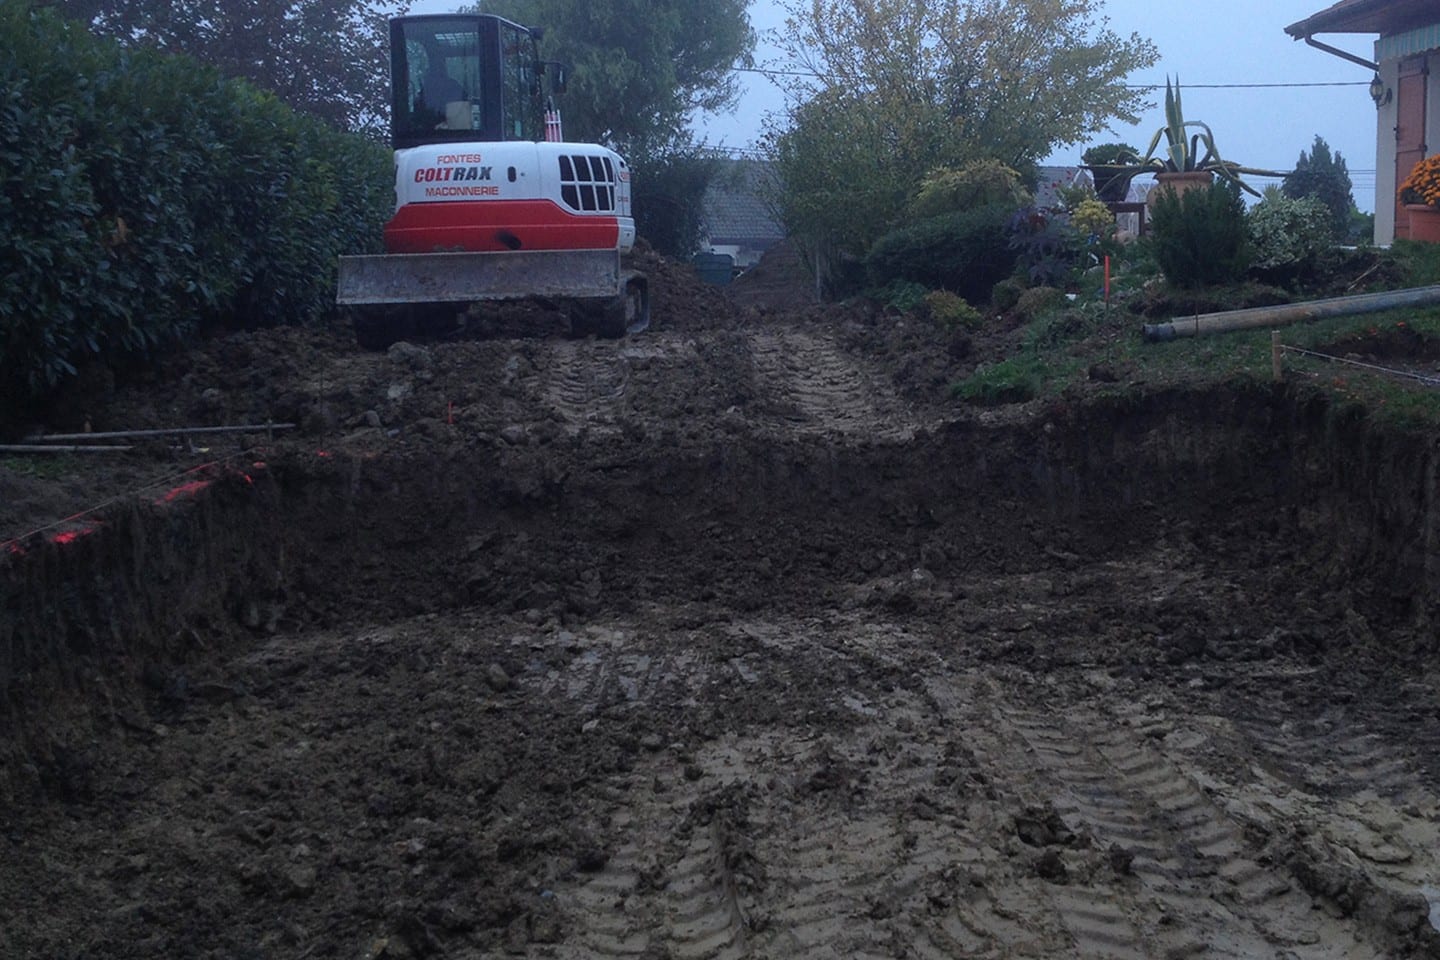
[(587, 183)]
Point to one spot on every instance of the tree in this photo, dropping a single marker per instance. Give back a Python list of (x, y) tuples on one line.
[(639, 68), (1325, 177), (327, 58), (897, 88)]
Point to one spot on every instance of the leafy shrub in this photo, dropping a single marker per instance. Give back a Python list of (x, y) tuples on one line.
[(977, 184), (1200, 237), (1005, 294), (1288, 235), (1039, 300), (1013, 380), (145, 197), (904, 295), (1048, 247), (1419, 260), (1090, 217), (952, 311), (965, 253), (669, 194), (1055, 326)]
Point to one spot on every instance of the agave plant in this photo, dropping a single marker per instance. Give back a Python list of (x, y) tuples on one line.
[(1183, 155), (1112, 166)]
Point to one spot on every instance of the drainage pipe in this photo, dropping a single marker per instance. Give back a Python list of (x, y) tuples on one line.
[(1287, 313), (1343, 55)]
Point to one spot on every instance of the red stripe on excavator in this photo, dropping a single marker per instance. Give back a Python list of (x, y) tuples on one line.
[(496, 225)]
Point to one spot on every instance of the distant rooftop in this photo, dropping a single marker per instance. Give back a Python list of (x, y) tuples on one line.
[(735, 211)]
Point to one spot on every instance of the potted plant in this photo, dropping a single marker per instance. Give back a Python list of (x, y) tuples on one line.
[(1112, 166), (1183, 165), (1420, 193)]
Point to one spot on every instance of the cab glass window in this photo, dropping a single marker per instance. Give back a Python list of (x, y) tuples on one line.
[(441, 86), (522, 109)]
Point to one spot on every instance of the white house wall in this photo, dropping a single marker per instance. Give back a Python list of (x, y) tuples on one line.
[(1385, 119), (1389, 51)]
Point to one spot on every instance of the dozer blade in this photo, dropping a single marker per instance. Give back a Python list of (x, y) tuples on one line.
[(460, 277)]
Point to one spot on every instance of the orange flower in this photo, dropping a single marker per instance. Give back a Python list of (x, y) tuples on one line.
[(1423, 184)]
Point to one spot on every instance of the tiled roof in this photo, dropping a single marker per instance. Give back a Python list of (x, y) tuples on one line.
[(1366, 16), (735, 211), (1051, 180)]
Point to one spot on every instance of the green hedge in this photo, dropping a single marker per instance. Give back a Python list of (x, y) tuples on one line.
[(144, 197), (966, 253)]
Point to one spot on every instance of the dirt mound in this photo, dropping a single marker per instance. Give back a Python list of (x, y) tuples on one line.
[(780, 282), (679, 299)]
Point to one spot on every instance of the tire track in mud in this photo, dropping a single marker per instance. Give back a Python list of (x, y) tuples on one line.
[(1199, 886), (588, 383), (900, 836), (1354, 812), (666, 886), (816, 389), (1092, 922), (1193, 853), (1345, 761)]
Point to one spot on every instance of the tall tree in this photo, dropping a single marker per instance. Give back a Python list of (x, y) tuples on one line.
[(326, 58), (921, 84), (1325, 176), (640, 68)]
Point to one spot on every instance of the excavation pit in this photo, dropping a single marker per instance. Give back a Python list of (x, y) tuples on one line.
[(795, 673)]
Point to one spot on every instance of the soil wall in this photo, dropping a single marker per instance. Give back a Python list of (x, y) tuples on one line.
[(1312, 493)]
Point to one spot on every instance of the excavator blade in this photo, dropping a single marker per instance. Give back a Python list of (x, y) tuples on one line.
[(463, 277)]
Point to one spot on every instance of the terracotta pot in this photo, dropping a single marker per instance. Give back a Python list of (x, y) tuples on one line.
[(1180, 183), (1424, 222)]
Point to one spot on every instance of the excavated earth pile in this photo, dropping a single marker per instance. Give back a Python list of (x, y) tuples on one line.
[(728, 640)]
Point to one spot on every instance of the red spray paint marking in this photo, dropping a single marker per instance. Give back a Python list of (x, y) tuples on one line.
[(184, 490), (62, 539), (15, 547)]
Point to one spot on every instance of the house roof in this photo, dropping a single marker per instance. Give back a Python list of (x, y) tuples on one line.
[(1366, 16), (734, 209), (1050, 180)]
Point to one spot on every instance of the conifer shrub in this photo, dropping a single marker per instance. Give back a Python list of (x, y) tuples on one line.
[(1200, 237)]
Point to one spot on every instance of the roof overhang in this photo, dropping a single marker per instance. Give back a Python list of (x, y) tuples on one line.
[(1366, 16)]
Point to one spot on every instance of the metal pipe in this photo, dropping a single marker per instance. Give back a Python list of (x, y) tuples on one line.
[(1343, 54), (178, 431), (1287, 313), (48, 448)]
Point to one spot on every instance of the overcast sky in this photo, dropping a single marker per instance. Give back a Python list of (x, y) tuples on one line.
[(1215, 42)]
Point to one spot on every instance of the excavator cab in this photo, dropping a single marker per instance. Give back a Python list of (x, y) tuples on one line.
[(464, 78)]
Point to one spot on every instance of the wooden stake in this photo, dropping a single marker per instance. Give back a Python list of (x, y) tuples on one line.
[(1277, 372)]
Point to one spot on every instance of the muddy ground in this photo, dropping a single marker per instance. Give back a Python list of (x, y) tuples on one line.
[(733, 639)]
